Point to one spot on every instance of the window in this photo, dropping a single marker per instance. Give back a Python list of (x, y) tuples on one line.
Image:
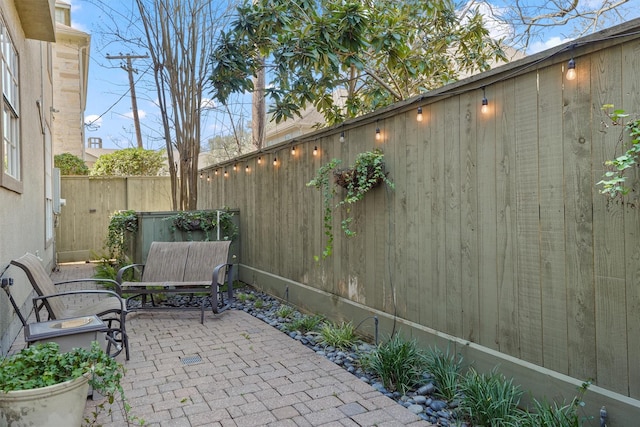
[(10, 124)]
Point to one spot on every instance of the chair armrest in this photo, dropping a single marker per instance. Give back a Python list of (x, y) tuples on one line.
[(37, 307), (110, 282), (124, 269)]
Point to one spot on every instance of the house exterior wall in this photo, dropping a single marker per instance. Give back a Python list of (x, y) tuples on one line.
[(24, 210)]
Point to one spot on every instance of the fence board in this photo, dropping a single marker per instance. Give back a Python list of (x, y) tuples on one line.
[(424, 230), (631, 97), (528, 214), (578, 139), (552, 244), (487, 235), (608, 254), (469, 217), (453, 301)]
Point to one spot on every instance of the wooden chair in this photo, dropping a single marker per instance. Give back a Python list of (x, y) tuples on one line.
[(109, 307)]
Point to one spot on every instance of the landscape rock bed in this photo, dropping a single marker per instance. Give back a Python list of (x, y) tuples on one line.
[(421, 401)]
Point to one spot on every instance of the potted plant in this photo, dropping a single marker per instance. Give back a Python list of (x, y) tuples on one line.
[(366, 173), (42, 386)]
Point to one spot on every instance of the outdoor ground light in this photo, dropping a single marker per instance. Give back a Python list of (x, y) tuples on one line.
[(571, 69)]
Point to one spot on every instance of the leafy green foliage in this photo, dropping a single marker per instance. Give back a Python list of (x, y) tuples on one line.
[(490, 399), (70, 164), (398, 363), (304, 324), (285, 311), (205, 220), (42, 365), (121, 224), (551, 414), (129, 162), (614, 180), (341, 336), (378, 52), (365, 174), (445, 370)]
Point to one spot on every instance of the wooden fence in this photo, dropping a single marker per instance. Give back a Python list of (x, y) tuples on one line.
[(496, 239), (89, 203)]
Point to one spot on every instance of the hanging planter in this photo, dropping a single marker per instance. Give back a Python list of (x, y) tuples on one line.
[(366, 173)]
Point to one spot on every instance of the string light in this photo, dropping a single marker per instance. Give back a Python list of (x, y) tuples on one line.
[(342, 136), (225, 173), (259, 160), (485, 103), (419, 116), (293, 151), (315, 150), (247, 169), (235, 167), (208, 178), (275, 161), (216, 172), (571, 69), (378, 135), (201, 175)]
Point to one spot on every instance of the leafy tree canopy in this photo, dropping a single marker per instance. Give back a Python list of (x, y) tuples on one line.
[(129, 162), (376, 52), (70, 164)]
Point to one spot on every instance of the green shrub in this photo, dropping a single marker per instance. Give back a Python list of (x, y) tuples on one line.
[(305, 324), (551, 414), (342, 336), (398, 363), (445, 369), (285, 311), (70, 164), (490, 400)]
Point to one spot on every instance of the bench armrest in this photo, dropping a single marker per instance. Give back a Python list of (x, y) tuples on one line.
[(216, 279), (125, 269)]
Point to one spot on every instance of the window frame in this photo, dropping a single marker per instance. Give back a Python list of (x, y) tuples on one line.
[(10, 106)]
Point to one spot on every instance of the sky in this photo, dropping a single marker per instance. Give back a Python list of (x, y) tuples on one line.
[(108, 112)]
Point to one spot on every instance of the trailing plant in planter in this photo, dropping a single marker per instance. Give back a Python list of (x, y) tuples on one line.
[(366, 173), (42, 365), (205, 220)]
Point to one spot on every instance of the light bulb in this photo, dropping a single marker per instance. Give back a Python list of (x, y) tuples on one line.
[(275, 161), (259, 160), (235, 168), (419, 116), (201, 176), (571, 69), (293, 151), (342, 136), (247, 168), (208, 178), (225, 174), (315, 150), (378, 135), (485, 106), (216, 172)]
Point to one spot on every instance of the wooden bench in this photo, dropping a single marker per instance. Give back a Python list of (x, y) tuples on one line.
[(181, 267)]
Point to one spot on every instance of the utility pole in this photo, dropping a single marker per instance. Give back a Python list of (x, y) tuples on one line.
[(134, 103)]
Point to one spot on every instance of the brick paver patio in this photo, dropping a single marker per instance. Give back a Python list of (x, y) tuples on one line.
[(236, 370)]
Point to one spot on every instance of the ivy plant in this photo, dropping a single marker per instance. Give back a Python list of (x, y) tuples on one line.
[(614, 180), (120, 223), (366, 173)]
